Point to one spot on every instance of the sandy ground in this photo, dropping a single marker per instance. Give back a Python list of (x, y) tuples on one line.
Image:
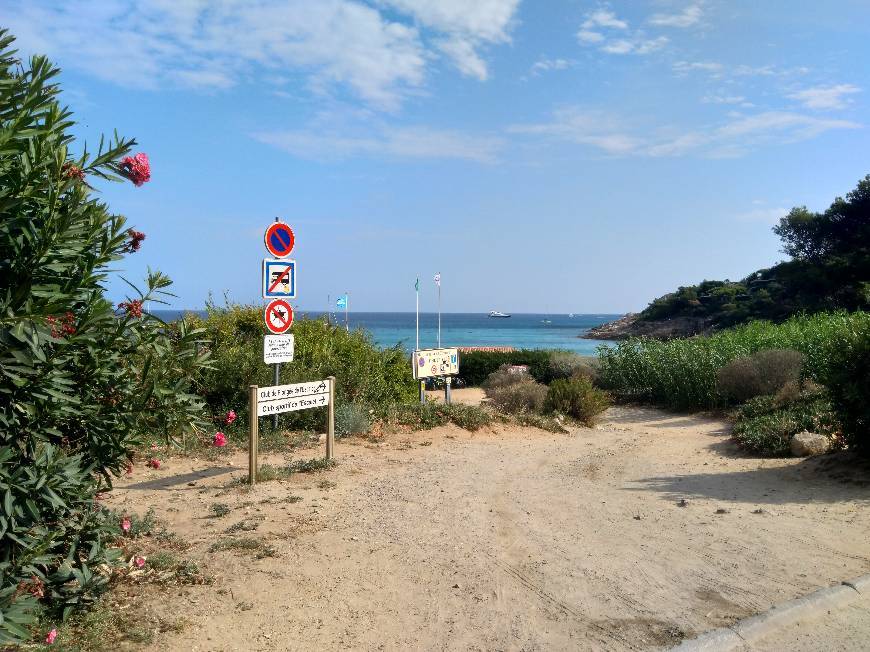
[(509, 540)]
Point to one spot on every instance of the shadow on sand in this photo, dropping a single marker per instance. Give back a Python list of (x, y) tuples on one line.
[(173, 481), (828, 479)]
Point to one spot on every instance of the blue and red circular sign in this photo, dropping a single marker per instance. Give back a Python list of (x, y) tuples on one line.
[(280, 239)]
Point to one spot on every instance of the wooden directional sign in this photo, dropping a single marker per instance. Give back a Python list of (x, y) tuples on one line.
[(278, 316), (279, 239), (279, 279), (290, 398), (435, 362)]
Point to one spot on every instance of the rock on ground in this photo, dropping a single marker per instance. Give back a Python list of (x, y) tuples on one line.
[(807, 443)]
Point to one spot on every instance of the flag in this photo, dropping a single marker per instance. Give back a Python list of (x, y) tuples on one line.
[(417, 285), (438, 279), (341, 302)]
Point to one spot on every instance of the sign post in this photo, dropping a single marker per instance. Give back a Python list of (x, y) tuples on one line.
[(434, 363), (269, 401), (253, 434)]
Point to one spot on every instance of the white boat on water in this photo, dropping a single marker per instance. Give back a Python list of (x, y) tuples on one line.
[(496, 313)]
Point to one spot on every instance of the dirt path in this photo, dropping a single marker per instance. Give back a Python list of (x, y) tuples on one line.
[(510, 540)]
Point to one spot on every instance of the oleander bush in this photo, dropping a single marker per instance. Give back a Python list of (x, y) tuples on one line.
[(763, 373), (523, 396), (81, 383), (577, 397)]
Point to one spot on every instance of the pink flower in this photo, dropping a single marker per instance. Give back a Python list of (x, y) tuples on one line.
[(154, 463), (231, 416), (125, 524), (153, 446), (139, 562), (135, 242), (49, 638), (220, 439), (136, 168)]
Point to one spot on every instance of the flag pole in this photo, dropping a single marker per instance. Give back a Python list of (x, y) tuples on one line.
[(346, 308), (439, 310), (417, 291)]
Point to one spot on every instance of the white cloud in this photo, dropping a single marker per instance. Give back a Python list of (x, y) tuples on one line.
[(766, 215), (598, 30), (825, 97), (604, 18), (397, 142), (468, 27), (207, 45), (545, 65), (587, 36), (713, 98), (739, 134), (598, 129), (688, 17)]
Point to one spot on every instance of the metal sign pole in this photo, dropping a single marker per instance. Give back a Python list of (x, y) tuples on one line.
[(447, 397), (276, 380), (253, 435), (330, 419), (422, 391)]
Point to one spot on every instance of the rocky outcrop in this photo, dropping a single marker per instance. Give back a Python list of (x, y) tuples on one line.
[(663, 329), (808, 443)]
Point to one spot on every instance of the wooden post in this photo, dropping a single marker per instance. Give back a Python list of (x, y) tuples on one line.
[(253, 435), (276, 380), (330, 419)]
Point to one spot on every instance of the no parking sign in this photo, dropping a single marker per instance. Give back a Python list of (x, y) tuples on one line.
[(279, 239)]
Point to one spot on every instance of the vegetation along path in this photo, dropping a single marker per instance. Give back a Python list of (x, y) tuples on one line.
[(647, 529)]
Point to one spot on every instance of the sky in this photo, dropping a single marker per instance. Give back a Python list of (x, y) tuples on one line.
[(544, 156)]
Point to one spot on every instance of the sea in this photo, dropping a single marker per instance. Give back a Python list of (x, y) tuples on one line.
[(520, 330)]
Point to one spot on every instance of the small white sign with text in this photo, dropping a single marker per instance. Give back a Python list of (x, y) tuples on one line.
[(277, 348)]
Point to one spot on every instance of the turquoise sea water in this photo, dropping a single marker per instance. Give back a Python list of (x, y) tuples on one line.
[(521, 331)]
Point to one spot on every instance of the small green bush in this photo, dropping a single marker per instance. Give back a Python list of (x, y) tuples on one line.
[(351, 419), (766, 425), (761, 374), (524, 396), (848, 380), (577, 398), (431, 415)]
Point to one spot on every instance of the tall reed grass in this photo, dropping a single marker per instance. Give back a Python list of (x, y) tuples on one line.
[(681, 374)]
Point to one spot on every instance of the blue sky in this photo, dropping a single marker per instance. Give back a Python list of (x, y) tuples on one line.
[(558, 156)]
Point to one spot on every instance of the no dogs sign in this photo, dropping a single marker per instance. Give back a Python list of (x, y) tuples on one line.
[(278, 316)]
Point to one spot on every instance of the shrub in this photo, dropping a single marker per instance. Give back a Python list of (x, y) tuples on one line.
[(80, 385), (766, 425), (578, 398), (524, 396), (364, 374), (431, 415), (682, 374), (505, 376), (476, 366), (564, 364), (848, 380), (761, 374), (351, 419)]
